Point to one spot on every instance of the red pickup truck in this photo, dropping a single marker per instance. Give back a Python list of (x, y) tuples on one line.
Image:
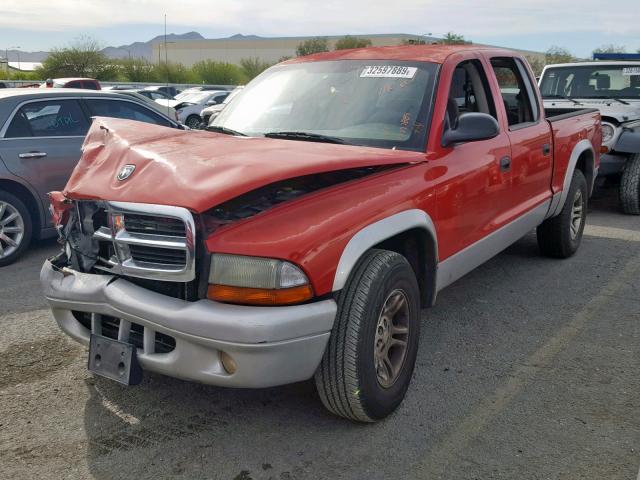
[(301, 236)]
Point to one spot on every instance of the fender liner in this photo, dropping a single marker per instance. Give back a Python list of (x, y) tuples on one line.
[(559, 198), (377, 232)]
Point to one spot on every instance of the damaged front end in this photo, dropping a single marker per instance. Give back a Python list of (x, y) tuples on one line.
[(151, 245)]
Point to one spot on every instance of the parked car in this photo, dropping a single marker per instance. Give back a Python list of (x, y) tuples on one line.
[(209, 113), (166, 110), (41, 132), (614, 89), (190, 104), (168, 90), (300, 238), (83, 83), (3, 85)]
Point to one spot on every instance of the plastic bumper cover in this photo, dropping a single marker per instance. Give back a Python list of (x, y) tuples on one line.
[(270, 345)]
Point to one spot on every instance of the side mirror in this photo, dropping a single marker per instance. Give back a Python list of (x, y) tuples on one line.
[(471, 128), (212, 102)]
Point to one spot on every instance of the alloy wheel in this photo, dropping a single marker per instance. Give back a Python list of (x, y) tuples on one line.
[(391, 338), (577, 211), (11, 229)]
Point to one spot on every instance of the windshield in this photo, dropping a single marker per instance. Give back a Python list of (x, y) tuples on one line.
[(592, 81), (374, 103)]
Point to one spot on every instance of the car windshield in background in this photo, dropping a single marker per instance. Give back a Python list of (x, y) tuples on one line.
[(592, 81), (374, 103)]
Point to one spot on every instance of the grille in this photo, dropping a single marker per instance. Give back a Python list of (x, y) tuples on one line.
[(144, 241), (171, 227), (162, 256), (109, 327)]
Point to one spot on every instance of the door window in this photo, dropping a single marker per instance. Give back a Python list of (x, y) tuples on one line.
[(128, 110), (61, 118), (516, 89), (469, 92)]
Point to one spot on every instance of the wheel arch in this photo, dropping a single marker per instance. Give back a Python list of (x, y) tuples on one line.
[(411, 233), (30, 200), (582, 158)]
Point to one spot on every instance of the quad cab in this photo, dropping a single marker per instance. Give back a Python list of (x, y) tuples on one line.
[(301, 236)]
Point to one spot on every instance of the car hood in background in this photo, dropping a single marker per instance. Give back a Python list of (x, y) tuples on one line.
[(199, 170)]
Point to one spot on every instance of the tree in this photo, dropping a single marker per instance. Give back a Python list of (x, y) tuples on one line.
[(312, 45), (348, 41), (83, 58), (252, 67), (221, 73), (136, 70), (610, 48), (453, 39), (557, 54), (537, 64), (172, 73)]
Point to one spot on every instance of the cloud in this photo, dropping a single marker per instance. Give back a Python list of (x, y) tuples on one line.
[(497, 18)]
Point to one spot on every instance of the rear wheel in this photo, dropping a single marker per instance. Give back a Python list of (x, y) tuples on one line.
[(630, 186), (15, 228), (561, 235), (368, 363)]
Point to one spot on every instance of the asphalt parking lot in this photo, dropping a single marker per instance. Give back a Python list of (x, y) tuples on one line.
[(528, 368)]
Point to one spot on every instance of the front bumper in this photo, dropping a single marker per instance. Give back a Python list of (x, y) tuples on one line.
[(270, 345)]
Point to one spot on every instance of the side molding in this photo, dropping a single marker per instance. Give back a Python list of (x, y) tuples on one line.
[(377, 232), (559, 199)]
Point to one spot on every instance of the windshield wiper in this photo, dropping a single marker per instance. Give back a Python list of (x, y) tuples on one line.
[(312, 137), (225, 130), (618, 100), (564, 98)]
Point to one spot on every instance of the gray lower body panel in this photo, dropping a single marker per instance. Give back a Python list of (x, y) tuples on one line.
[(270, 345)]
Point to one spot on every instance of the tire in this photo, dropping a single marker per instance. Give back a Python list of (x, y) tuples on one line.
[(193, 122), (560, 236), (629, 192), (348, 381), (16, 227)]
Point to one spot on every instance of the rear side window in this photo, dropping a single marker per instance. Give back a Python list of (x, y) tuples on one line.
[(517, 91), (74, 84), (89, 85), (127, 110), (51, 118)]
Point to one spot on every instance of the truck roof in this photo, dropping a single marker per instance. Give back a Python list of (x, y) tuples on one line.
[(416, 53)]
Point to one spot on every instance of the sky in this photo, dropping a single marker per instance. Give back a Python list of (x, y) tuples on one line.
[(579, 26)]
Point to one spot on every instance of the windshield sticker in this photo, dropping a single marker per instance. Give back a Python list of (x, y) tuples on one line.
[(388, 71), (631, 71)]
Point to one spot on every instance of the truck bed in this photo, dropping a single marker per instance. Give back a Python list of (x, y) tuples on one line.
[(556, 114)]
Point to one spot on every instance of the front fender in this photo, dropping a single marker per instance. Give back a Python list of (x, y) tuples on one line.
[(628, 142)]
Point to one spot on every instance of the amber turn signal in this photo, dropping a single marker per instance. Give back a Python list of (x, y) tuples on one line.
[(604, 149), (259, 296)]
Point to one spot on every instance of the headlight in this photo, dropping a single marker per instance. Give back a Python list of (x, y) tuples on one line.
[(608, 132), (256, 281)]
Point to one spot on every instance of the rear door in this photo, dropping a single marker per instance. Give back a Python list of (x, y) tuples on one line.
[(41, 143), (530, 136)]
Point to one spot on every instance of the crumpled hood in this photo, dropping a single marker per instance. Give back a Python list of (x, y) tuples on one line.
[(199, 170)]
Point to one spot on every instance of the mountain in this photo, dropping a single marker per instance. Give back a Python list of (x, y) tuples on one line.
[(145, 49), (133, 50)]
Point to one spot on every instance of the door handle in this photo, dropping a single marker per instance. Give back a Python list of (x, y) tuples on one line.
[(546, 149), (505, 164), (32, 155)]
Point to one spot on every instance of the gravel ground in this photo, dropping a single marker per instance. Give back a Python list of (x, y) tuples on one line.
[(528, 368)]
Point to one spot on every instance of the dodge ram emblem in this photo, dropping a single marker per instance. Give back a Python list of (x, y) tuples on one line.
[(125, 172)]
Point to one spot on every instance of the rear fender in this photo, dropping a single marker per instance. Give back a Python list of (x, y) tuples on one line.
[(583, 146)]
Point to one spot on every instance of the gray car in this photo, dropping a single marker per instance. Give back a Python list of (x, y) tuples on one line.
[(41, 133)]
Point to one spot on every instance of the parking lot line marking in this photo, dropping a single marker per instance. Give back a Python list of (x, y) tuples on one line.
[(612, 233), (113, 408), (444, 452)]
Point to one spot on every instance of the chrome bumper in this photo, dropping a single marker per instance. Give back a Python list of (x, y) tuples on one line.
[(270, 345)]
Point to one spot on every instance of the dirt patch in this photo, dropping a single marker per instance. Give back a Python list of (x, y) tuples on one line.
[(31, 361)]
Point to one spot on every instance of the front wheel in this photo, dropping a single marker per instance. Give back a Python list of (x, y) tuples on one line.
[(15, 228), (561, 235), (630, 186), (367, 366), (193, 122)]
